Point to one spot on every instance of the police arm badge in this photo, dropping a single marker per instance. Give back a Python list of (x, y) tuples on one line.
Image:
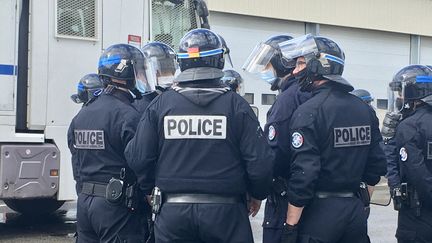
[(297, 140)]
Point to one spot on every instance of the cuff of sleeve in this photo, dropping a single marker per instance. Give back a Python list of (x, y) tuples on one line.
[(372, 180), (297, 201)]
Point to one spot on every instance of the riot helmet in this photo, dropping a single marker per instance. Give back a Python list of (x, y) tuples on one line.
[(234, 81), (409, 85), (125, 66), (89, 87), (226, 50), (324, 59), (267, 60), (163, 61), (200, 56), (364, 95)]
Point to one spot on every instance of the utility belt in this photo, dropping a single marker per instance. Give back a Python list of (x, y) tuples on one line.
[(323, 195), (159, 198), (117, 191), (406, 197), (362, 194)]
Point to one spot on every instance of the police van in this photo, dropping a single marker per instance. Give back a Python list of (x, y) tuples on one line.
[(46, 46)]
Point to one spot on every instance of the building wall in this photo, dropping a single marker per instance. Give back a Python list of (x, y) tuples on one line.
[(401, 16), (372, 57)]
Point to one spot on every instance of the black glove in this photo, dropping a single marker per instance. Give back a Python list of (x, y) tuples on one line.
[(289, 234), (390, 122)]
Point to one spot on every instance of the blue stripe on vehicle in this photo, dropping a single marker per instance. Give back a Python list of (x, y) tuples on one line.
[(7, 69)]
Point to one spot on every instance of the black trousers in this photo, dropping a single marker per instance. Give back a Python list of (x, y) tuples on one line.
[(274, 218), (412, 228), (333, 220), (203, 223), (100, 221)]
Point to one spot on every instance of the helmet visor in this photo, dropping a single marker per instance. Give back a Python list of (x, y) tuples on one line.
[(259, 58), (300, 46), (144, 75), (164, 69), (395, 98)]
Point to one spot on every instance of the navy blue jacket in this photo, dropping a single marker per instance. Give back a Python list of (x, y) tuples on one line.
[(277, 128), (200, 137), (335, 144), (142, 104), (414, 144), (98, 136)]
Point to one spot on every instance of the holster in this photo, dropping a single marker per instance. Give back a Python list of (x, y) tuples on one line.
[(132, 196), (114, 191), (123, 191), (363, 194), (156, 200), (410, 198)]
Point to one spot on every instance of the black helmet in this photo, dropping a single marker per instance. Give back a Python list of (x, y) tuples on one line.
[(364, 95), (281, 65), (127, 63), (163, 61), (324, 59), (89, 86), (411, 83), (200, 56), (201, 48), (234, 81)]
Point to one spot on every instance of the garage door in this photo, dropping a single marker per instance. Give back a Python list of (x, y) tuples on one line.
[(372, 57)]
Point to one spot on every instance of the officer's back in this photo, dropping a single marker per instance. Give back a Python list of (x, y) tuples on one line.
[(218, 123), (99, 129), (97, 138), (340, 133), (207, 151)]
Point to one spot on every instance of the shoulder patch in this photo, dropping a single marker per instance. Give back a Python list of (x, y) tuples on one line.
[(195, 127), (403, 154), (429, 150), (352, 136), (89, 139), (271, 133), (297, 140)]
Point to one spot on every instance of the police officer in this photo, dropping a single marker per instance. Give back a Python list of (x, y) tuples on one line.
[(89, 87), (162, 59), (277, 128), (97, 137), (391, 120), (364, 95), (412, 95), (207, 151), (334, 145), (234, 81)]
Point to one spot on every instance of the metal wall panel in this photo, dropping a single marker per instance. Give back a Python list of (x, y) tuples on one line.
[(389, 15), (426, 50), (372, 57)]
